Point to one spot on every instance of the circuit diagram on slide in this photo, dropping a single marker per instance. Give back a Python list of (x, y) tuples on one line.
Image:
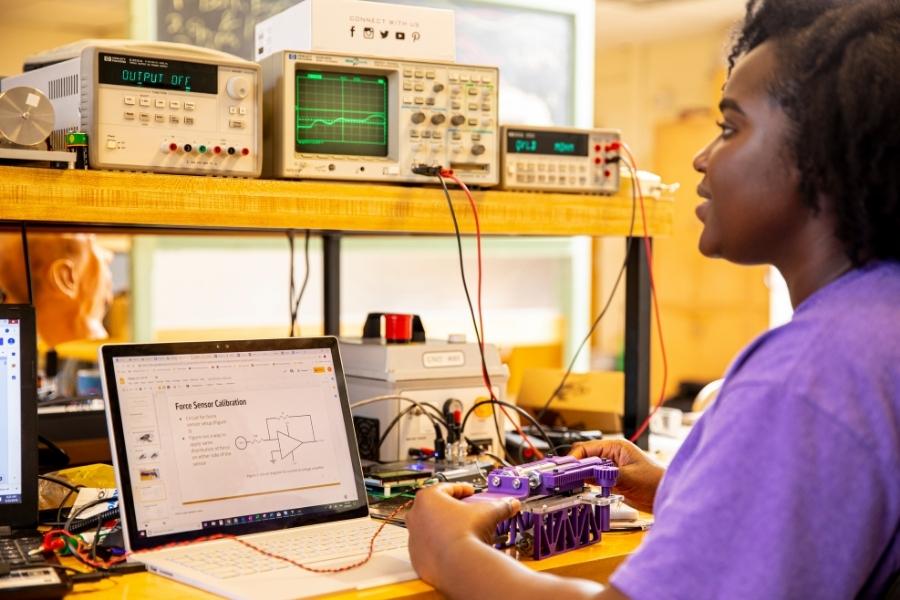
[(289, 433)]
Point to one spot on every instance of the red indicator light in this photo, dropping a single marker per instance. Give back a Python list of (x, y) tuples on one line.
[(217, 150), (173, 147), (245, 151), (597, 147), (598, 161)]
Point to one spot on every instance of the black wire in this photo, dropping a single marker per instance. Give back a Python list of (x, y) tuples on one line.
[(27, 262), (609, 300), (462, 273), (63, 503), (81, 509), (515, 408), (96, 539), (83, 524), (400, 415), (294, 303), (58, 481)]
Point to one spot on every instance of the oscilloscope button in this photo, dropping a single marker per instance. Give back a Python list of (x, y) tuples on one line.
[(437, 135), (144, 101), (407, 72), (438, 118), (429, 101), (420, 87), (418, 117), (429, 74), (419, 74), (420, 100), (407, 86), (453, 76), (457, 120)]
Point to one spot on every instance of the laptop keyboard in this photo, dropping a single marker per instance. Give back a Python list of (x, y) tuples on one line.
[(232, 559), (14, 551)]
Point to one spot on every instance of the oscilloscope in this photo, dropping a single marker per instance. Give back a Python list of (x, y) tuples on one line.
[(155, 106), (560, 159), (332, 116)]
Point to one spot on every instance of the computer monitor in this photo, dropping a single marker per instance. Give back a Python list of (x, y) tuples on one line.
[(18, 416)]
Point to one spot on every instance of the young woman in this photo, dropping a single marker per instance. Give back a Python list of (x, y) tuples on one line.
[(789, 486)]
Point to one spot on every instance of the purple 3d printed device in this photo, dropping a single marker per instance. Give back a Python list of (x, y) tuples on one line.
[(559, 511)]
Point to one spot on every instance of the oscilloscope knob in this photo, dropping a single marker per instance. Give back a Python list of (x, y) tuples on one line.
[(237, 87), (438, 87), (478, 149), (457, 120), (438, 118), (418, 117)]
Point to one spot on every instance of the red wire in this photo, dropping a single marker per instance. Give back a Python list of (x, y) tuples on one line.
[(662, 346), (484, 374), (264, 552)]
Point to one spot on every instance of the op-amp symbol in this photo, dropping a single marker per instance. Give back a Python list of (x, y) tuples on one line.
[(289, 432)]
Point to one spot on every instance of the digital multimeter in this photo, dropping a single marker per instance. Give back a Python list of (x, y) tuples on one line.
[(559, 159)]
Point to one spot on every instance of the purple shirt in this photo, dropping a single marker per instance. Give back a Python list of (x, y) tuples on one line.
[(789, 486)]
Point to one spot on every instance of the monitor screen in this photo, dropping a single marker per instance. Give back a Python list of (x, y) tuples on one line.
[(11, 411), (223, 440), (341, 113)]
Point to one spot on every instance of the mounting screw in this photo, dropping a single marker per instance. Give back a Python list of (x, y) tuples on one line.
[(495, 481), (517, 483)]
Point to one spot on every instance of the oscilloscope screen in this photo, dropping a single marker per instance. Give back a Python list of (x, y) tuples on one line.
[(341, 113)]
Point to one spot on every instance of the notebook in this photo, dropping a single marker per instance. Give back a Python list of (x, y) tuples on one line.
[(250, 438)]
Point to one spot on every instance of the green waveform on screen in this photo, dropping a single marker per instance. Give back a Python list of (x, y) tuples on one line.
[(372, 119)]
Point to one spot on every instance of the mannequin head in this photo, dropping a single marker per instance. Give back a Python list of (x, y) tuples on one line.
[(71, 281)]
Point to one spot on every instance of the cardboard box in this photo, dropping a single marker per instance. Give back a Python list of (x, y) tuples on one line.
[(593, 400), (361, 29)]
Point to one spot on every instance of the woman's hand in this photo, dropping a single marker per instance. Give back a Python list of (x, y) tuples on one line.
[(440, 525), (639, 475)]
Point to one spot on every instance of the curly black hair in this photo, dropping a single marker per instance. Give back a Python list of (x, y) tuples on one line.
[(838, 81)]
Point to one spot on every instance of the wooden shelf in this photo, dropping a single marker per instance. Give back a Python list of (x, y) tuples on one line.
[(73, 198)]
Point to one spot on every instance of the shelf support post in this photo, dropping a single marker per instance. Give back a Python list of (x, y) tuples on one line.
[(637, 341), (331, 285)]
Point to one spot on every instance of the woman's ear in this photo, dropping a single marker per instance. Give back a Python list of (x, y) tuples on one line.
[(63, 277)]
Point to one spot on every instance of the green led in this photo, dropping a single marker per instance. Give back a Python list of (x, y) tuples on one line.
[(202, 149), (76, 138)]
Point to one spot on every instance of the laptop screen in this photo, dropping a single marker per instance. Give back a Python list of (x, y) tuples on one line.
[(11, 411), (231, 437), (18, 416)]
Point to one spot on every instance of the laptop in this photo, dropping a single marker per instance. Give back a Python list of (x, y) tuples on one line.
[(18, 438), (249, 438)]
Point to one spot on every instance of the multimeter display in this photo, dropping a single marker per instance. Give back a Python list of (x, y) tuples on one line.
[(157, 73), (546, 142)]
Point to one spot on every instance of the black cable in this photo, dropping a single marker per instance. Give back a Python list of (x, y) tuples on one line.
[(74, 514), (84, 524), (612, 293), (96, 541), (462, 273), (294, 303), (63, 503), (400, 415), (59, 481), (27, 262), (515, 408)]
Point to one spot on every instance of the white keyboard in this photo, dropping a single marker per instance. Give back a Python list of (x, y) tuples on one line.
[(307, 546)]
